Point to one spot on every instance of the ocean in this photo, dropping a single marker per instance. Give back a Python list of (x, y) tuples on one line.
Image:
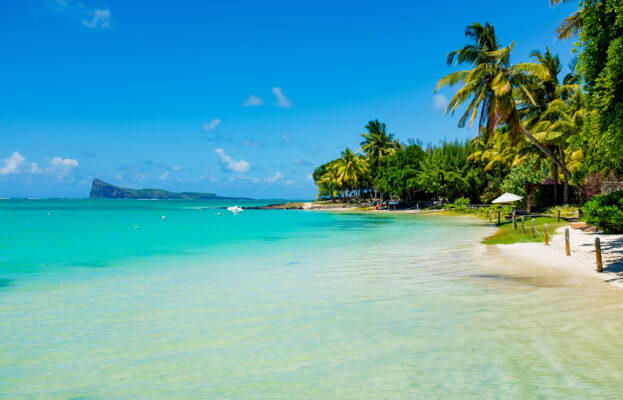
[(106, 299)]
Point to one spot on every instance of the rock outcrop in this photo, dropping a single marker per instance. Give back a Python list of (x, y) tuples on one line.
[(103, 190)]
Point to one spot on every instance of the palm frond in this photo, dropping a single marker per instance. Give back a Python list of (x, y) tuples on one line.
[(570, 26)]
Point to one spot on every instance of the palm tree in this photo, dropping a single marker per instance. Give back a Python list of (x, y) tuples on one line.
[(558, 124), (499, 152), (328, 185), (491, 86), (533, 103), (377, 144), (350, 169)]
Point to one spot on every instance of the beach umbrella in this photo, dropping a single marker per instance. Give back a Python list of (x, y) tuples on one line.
[(507, 198)]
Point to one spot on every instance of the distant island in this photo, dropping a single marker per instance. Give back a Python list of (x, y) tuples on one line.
[(103, 190)]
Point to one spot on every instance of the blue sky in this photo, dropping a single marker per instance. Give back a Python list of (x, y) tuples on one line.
[(231, 97)]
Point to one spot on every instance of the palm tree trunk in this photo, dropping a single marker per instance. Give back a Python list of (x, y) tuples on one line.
[(565, 193), (548, 153), (555, 171)]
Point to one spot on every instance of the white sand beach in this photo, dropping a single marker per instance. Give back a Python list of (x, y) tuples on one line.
[(581, 263)]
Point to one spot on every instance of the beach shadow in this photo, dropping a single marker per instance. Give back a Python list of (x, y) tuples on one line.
[(612, 255), (532, 281)]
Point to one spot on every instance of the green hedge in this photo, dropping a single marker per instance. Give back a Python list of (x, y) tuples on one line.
[(605, 212)]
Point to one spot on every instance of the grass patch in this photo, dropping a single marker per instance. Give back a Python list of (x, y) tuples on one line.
[(449, 212), (507, 235)]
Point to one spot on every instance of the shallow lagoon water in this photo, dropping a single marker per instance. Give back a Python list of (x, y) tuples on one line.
[(107, 300)]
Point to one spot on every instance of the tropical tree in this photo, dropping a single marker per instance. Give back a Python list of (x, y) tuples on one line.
[(377, 144), (350, 170), (328, 183), (491, 86), (561, 121), (600, 66), (398, 173), (523, 179), (446, 171)]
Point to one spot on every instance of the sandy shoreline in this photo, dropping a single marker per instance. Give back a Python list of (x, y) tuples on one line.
[(552, 259), (530, 257)]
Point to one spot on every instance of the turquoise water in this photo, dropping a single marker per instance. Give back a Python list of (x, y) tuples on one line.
[(106, 300)]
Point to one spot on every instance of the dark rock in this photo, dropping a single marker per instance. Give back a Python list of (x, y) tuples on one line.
[(103, 190)]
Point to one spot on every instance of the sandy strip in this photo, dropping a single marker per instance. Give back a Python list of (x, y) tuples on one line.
[(581, 262)]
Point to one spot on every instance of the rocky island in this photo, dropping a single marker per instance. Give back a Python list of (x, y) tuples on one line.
[(103, 190)]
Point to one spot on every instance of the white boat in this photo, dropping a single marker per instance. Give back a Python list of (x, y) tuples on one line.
[(234, 209)]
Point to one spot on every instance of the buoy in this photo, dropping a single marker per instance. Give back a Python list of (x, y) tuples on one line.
[(49, 213), (135, 226), (218, 213), (163, 217)]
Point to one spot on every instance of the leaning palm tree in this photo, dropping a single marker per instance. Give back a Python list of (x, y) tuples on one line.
[(559, 123), (490, 87)]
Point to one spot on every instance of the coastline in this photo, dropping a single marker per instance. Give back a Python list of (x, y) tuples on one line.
[(522, 257), (551, 260)]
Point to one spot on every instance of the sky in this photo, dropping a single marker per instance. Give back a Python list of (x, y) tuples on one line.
[(238, 98)]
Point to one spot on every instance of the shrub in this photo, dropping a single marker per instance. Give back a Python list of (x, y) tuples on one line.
[(566, 210), (492, 211), (461, 203), (606, 212)]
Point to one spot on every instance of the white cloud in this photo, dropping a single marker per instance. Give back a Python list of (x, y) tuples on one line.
[(15, 164), (275, 177), (208, 126), (76, 10), (252, 143), (282, 100), (61, 166), (285, 138), (439, 102), (309, 177), (241, 166), (252, 101), (176, 168), (164, 176), (100, 18)]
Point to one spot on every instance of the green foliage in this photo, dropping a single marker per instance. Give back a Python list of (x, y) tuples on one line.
[(491, 211), (601, 68), (377, 144), (523, 175), (567, 210), (320, 171), (461, 203), (447, 172), (605, 212), (398, 173)]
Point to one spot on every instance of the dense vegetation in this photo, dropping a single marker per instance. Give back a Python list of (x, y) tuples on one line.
[(606, 212), (533, 123)]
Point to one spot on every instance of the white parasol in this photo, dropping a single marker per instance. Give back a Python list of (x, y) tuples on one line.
[(507, 198)]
